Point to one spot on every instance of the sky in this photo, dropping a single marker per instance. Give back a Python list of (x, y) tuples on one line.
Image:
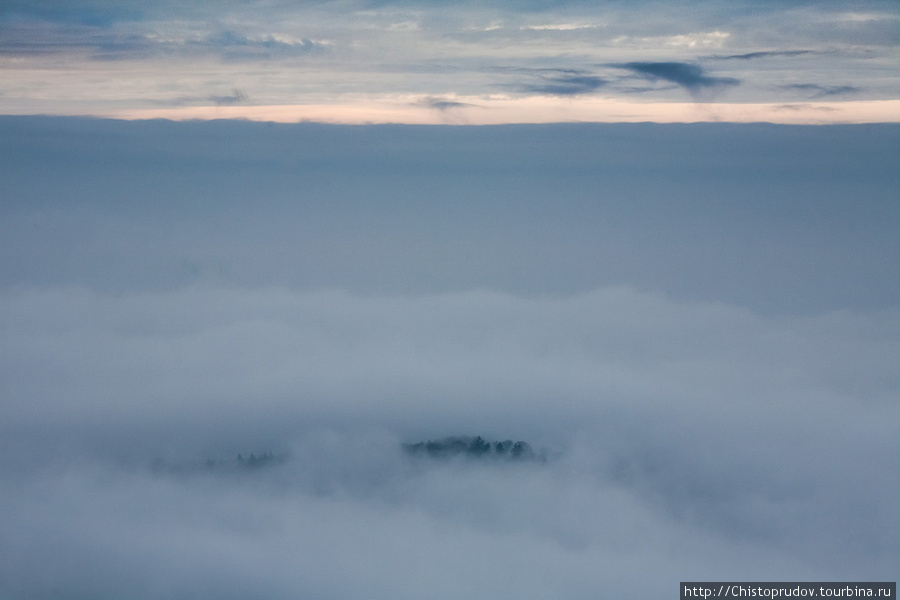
[(317, 232), (458, 62)]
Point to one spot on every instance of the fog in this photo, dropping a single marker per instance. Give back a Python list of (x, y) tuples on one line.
[(682, 440), (777, 219), (684, 433)]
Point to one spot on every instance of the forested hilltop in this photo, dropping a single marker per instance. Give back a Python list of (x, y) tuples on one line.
[(474, 447), (467, 447)]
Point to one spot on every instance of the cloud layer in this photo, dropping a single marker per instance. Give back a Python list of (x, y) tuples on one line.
[(683, 439), (695, 328), (709, 213)]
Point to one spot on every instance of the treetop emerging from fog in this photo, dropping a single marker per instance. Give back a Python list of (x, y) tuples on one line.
[(472, 447)]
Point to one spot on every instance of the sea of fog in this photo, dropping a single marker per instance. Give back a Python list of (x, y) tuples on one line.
[(226, 349)]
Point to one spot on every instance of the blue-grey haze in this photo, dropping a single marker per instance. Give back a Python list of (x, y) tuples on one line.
[(697, 325), (775, 218)]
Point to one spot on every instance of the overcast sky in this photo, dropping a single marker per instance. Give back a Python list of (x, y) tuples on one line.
[(696, 324), (456, 62)]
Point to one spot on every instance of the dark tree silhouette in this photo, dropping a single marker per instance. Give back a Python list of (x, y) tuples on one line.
[(473, 447)]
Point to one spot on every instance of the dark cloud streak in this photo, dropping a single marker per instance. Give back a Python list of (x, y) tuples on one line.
[(764, 54), (445, 105), (690, 76), (812, 90), (565, 85)]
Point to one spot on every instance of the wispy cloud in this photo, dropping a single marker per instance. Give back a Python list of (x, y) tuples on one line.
[(235, 97), (444, 104), (562, 82), (763, 54), (802, 107), (236, 46), (812, 90), (692, 77), (106, 45)]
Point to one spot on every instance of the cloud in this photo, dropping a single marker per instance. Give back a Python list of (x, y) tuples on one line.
[(236, 97), (26, 40), (689, 76), (90, 13), (764, 54), (366, 53), (228, 44), (710, 370), (104, 44), (236, 46), (805, 107), (812, 90), (560, 82), (566, 85), (494, 216), (444, 104), (672, 425)]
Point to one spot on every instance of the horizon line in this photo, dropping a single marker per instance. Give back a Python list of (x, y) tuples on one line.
[(427, 110)]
